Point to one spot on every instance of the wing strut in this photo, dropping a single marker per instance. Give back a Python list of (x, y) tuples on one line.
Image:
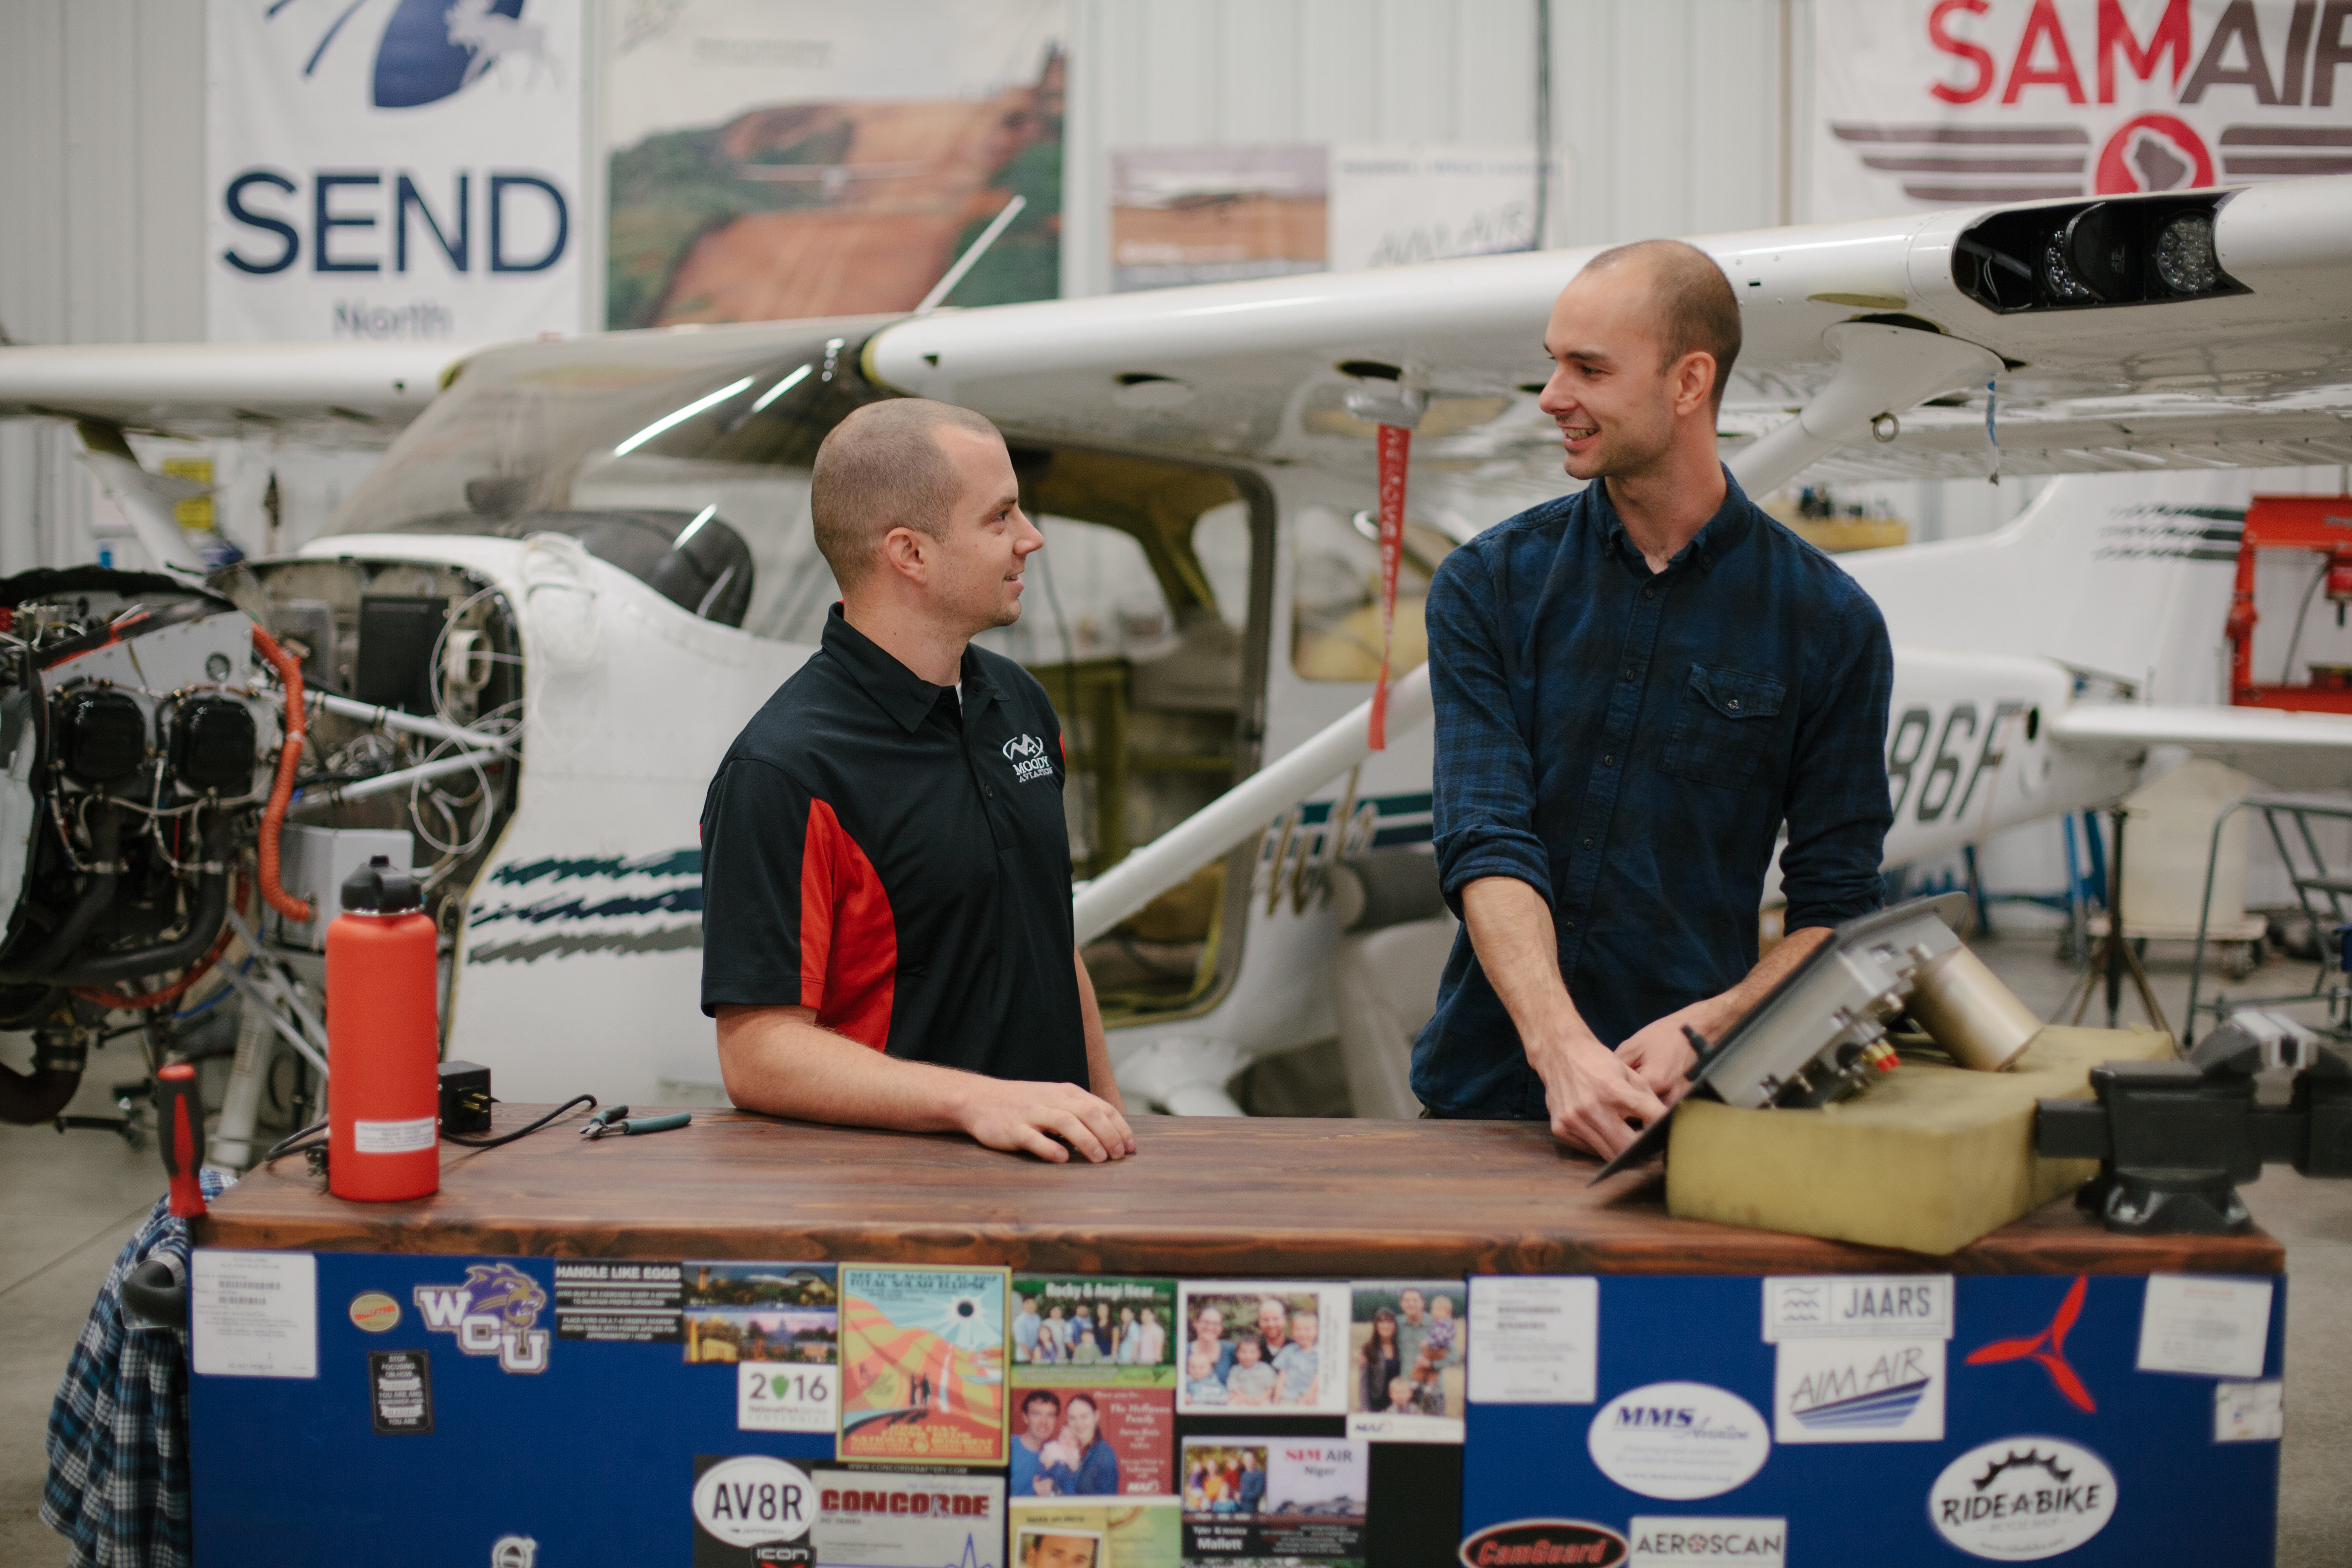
[(1882, 369)]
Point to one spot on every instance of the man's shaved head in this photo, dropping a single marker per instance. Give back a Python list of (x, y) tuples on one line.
[(881, 468), (1696, 310)]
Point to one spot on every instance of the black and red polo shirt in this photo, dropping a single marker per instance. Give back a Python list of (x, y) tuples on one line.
[(899, 863)]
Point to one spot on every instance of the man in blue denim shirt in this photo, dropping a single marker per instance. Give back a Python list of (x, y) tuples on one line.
[(1636, 686)]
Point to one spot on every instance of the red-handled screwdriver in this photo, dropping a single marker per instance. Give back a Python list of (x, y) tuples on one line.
[(180, 1130)]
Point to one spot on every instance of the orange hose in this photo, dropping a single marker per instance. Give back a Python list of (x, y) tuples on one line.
[(281, 793)]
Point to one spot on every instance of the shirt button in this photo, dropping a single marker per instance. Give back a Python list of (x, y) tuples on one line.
[(1629, 672), (1568, 925), (1588, 844), (1733, 704), (1651, 592), (1608, 760), (988, 790)]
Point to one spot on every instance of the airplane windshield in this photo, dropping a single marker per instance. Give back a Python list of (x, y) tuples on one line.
[(681, 457)]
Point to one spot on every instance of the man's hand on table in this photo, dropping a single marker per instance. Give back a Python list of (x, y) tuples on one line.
[(1594, 1096), (1660, 1054), (1006, 1113)]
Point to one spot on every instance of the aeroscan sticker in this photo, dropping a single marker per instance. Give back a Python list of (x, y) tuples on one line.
[(1679, 1440), (2022, 1499), (1686, 1542), (400, 1388), (1858, 1391), (752, 1509), (374, 1312)]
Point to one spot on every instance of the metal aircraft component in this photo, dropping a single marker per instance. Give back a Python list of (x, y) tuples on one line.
[(1821, 1034)]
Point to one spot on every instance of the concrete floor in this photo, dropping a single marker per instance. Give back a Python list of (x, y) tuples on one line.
[(67, 1204)]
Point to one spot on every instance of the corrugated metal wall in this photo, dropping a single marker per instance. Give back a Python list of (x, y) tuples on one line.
[(1666, 114), (101, 217), (1666, 119)]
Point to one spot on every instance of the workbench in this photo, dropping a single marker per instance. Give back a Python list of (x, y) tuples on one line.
[(571, 1450)]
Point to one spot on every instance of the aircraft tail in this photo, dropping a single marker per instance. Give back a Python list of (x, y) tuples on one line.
[(2122, 576)]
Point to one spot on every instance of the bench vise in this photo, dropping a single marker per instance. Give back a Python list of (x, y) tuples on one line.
[(2174, 1139)]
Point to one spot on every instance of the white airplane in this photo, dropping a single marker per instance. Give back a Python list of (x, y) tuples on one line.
[(584, 563)]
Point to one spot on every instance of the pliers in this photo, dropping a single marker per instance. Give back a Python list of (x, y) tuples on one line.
[(641, 1124), (595, 1125)]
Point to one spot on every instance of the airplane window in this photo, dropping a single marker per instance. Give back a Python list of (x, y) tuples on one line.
[(1334, 597)]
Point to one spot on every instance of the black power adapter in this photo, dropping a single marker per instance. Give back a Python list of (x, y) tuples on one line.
[(465, 1098)]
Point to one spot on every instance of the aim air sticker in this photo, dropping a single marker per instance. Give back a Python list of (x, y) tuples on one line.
[(752, 1509), (400, 1390), (1858, 1391), (1679, 1440), (1518, 1541), (2022, 1499)]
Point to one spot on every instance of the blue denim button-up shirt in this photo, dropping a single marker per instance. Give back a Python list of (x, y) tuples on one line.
[(1629, 745)]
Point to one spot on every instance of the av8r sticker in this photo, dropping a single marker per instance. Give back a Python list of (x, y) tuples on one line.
[(1858, 1391), (752, 1509), (2022, 1499)]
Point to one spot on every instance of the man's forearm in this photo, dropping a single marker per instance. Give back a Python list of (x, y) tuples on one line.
[(1518, 949), (778, 1061), (1729, 1006), (1099, 1073)]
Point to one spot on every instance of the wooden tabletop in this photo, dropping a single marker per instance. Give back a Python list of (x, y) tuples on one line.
[(1262, 1196)]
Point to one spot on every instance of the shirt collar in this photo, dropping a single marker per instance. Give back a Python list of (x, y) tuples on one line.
[(1716, 538), (896, 689)]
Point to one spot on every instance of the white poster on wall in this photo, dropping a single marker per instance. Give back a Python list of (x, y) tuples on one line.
[(392, 170), (1392, 207), (1932, 103)]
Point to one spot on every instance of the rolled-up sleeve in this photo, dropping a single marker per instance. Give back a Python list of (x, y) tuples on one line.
[(1483, 794), (1838, 807)]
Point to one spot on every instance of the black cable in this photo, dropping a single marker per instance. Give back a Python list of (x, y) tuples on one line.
[(521, 1132), (2287, 672), (292, 1142)]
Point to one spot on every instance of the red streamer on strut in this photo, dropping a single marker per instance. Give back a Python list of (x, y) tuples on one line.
[(1396, 447)]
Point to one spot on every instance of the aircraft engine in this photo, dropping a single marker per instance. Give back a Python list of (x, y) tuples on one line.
[(137, 747)]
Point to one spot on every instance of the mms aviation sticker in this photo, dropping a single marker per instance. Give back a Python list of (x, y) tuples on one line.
[(1543, 1541), (752, 1509), (2022, 1499), (494, 1312), (1681, 1542), (2047, 1350), (374, 1312), (1679, 1440), (1858, 1391)]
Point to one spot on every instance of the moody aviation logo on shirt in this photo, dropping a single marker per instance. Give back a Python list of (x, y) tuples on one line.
[(1027, 755)]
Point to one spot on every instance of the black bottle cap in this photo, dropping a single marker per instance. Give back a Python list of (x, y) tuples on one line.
[(376, 889)]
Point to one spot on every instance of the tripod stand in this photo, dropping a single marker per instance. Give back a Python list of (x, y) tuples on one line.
[(2114, 957)]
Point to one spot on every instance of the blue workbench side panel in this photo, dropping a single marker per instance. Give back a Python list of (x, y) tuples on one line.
[(2180, 1497), (593, 1458)]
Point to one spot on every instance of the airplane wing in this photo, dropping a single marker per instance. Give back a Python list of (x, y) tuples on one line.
[(2286, 750), (356, 395), (2252, 361)]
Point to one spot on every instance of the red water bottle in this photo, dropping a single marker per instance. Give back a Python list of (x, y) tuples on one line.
[(384, 1089)]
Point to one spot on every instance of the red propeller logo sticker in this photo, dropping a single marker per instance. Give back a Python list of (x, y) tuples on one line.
[(2049, 1348)]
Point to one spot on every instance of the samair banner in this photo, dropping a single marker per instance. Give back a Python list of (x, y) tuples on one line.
[(1928, 103), (385, 170)]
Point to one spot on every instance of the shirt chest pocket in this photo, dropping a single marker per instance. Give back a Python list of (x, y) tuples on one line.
[(1724, 726)]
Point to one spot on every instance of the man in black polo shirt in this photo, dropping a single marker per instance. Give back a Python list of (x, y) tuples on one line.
[(886, 867)]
